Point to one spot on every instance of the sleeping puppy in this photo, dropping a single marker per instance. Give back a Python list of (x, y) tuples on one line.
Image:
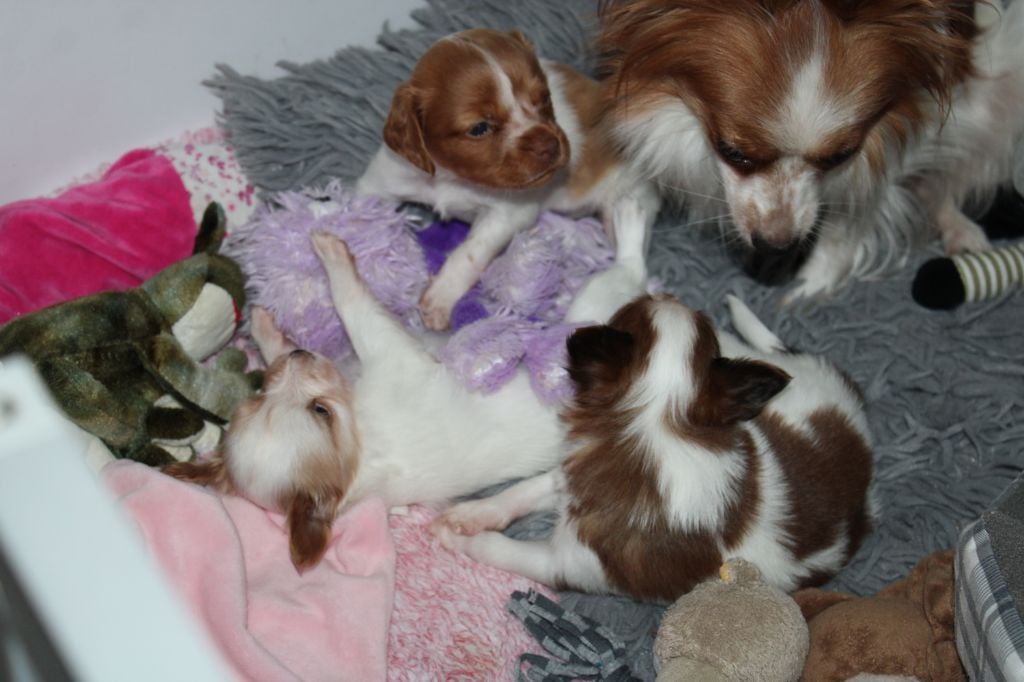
[(821, 135), (485, 132), (311, 443), (687, 447)]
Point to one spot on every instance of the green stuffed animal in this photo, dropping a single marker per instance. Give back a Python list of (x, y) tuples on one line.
[(125, 365)]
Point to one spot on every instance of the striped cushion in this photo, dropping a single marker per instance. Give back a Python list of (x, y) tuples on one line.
[(989, 630)]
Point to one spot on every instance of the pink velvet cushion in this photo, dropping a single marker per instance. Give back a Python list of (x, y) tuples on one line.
[(110, 234)]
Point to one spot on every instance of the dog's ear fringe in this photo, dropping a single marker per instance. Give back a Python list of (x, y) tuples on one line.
[(211, 472), (310, 518), (597, 355)]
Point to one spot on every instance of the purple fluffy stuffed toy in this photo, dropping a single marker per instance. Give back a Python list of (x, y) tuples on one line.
[(513, 315)]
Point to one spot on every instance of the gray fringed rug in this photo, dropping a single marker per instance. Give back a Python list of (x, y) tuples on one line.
[(945, 390)]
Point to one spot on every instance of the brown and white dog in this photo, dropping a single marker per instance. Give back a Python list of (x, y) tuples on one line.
[(406, 430), (688, 447), (852, 123), (486, 132)]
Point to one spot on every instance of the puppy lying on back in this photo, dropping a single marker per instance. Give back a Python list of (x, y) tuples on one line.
[(311, 443), (486, 132), (688, 447)]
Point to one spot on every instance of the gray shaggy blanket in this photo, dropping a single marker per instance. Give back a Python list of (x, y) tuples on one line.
[(945, 390)]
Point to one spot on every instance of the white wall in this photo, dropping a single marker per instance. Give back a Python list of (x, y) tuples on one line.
[(82, 81)]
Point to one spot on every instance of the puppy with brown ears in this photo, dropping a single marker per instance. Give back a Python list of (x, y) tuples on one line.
[(688, 447), (486, 132), (311, 443)]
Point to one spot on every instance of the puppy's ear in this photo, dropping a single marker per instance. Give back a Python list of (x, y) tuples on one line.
[(520, 37), (403, 129), (739, 389), (269, 339), (598, 355), (212, 472), (310, 517)]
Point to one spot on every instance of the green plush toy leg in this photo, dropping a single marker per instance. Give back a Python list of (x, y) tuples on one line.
[(214, 392), (92, 406), (989, 273)]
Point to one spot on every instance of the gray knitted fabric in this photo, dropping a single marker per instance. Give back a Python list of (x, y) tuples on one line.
[(945, 390)]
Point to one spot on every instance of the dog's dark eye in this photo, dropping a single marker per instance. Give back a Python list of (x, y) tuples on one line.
[(837, 159), (480, 129), (734, 157), (319, 409)]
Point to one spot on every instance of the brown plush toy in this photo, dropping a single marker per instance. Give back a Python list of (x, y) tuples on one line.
[(906, 630)]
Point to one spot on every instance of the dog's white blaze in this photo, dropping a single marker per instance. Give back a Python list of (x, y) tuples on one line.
[(520, 118), (810, 113), (695, 487)]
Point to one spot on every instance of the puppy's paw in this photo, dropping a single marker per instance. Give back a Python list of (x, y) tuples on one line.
[(629, 222), (332, 251), (263, 327), (436, 309), (475, 516), (450, 539), (818, 280)]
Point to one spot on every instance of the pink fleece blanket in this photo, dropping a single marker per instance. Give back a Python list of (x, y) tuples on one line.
[(110, 234), (229, 560)]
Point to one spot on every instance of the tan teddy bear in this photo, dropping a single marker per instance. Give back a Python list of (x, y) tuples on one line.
[(736, 629)]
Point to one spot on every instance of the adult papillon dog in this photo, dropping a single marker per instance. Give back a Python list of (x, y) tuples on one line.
[(821, 135)]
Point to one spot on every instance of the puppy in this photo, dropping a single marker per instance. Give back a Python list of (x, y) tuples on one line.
[(688, 447), (790, 122), (486, 132), (312, 443)]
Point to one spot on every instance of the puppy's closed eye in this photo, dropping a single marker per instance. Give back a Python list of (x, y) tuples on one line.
[(320, 409)]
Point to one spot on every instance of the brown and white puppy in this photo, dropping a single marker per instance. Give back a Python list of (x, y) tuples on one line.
[(688, 447), (406, 430), (852, 124), (487, 132)]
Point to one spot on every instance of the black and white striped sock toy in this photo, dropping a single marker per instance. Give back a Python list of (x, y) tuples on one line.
[(945, 283)]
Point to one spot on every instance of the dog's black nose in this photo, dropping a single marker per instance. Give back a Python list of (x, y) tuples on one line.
[(299, 353), (772, 263)]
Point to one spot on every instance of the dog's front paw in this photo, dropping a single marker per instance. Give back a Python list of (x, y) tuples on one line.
[(966, 236), (331, 250), (436, 309)]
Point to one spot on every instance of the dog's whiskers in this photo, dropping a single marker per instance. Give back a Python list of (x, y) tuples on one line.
[(689, 192)]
